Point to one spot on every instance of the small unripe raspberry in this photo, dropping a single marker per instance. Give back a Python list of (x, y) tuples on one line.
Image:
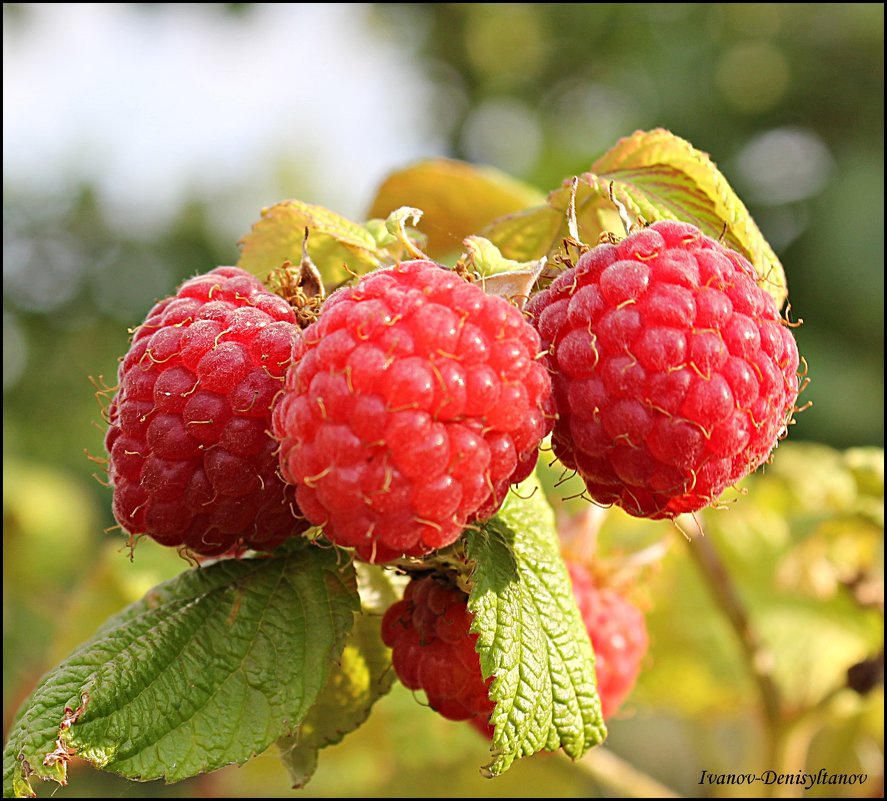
[(618, 636), (412, 404), (673, 375), (191, 459), (432, 650)]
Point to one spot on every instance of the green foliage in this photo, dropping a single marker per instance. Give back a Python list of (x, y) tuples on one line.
[(208, 669), (656, 176), (333, 241), (360, 677), (457, 199), (531, 637), (212, 667)]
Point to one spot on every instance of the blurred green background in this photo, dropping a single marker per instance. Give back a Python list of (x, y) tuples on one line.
[(142, 140)]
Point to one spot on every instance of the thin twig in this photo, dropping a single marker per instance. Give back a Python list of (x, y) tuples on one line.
[(616, 774), (757, 654)]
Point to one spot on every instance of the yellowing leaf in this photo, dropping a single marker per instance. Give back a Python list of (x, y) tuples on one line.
[(528, 234), (458, 199), (657, 175), (333, 242)]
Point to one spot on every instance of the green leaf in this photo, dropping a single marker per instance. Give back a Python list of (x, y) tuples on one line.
[(362, 676), (486, 259), (506, 278), (333, 242), (208, 669), (659, 176), (529, 234), (531, 636), (457, 199)]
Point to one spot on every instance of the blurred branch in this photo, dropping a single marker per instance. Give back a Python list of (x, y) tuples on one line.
[(618, 775), (723, 589)]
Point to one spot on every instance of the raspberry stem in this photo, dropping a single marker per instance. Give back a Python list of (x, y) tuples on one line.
[(758, 656)]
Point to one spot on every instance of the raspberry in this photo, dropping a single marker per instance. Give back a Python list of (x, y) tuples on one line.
[(618, 635), (432, 650), (191, 460), (412, 403), (673, 377)]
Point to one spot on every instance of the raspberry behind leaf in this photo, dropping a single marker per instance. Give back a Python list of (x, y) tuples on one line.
[(191, 460), (618, 634), (433, 650), (673, 374)]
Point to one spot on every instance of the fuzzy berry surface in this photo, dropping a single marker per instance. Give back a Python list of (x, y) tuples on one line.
[(618, 634), (192, 462), (673, 375), (412, 404), (432, 650)]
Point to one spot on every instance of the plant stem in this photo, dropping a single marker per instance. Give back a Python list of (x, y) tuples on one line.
[(616, 774), (758, 657)]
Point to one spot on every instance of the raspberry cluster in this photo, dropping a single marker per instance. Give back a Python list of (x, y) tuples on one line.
[(413, 402), (673, 374), (432, 650), (618, 635), (191, 459)]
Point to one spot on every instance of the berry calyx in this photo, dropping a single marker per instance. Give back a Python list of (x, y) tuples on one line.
[(618, 635), (412, 403), (191, 460), (433, 650), (673, 374)]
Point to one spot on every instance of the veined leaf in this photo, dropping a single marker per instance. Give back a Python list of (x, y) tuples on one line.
[(359, 679), (659, 176), (531, 636), (208, 669), (457, 199), (333, 242), (528, 234)]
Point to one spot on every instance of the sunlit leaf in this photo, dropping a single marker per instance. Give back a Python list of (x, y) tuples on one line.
[(457, 199), (531, 636), (207, 670), (657, 175), (528, 234), (338, 246)]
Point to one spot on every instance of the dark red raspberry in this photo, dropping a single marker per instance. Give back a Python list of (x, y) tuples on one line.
[(412, 403), (191, 459), (673, 375), (618, 635), (432, 650)]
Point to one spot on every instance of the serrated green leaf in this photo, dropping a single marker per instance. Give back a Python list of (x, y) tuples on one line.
[(361, 677), (659, 176), (531, 636), (333, 242), (457, 199), (208, 669)]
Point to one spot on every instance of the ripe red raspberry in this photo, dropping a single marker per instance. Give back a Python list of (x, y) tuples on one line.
[(411, 405), (673, 376), (618, 635), (432, 650), (191, 459)]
